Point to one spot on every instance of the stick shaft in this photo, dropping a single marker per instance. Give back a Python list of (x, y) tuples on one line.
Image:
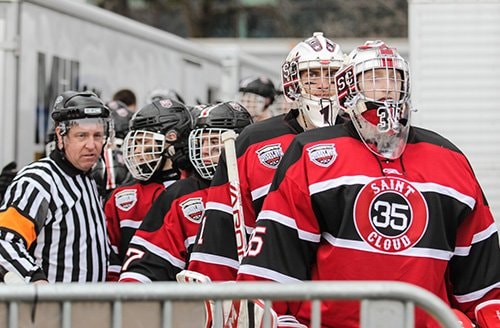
[(228, 139)]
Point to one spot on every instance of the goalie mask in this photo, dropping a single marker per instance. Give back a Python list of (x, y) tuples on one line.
[(158, 132), (307, 77), (374, 89), (205, 143)]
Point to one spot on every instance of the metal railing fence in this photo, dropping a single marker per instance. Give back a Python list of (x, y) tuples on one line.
[(383, 304)]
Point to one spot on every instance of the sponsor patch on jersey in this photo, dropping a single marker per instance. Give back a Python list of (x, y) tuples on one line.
[(390, 214), (323, 154), (126, 199), (193, 209), (270, 155)]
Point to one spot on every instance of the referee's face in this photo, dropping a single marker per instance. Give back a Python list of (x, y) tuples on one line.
[(83, 144)]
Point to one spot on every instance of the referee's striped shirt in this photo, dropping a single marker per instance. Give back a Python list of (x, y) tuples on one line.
[(52, 224)]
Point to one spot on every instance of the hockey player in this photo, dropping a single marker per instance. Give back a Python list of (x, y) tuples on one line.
[(376, 199), (160, 247), (155, 152), (307, 76), (257, 94)]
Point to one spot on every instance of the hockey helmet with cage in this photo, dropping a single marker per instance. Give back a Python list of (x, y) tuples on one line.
[(157, 131), (205, 143), (378, 99), (79, 107), (307, 78), (256, 94)]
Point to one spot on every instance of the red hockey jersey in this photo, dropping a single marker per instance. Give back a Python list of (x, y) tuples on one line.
[(259, 149), (125, 209), (336, 211), (160, 247)]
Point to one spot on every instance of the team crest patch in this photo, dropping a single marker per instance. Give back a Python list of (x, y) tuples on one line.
[(322, 154), (193, 209), (126, 199), (390, 214), (270, 155)]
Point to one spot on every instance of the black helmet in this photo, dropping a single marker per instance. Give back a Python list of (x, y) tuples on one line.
[(121, 115), (260, 85), (205, 141), (161, 116), (166, 125), (226, 115), (74, 105)]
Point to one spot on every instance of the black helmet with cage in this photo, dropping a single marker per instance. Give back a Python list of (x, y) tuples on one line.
[(158, 131), (205, 144), (256, 93)]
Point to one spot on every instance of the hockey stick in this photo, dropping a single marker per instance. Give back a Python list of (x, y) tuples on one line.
[(228, 139)]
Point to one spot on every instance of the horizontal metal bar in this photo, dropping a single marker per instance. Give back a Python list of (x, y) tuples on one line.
[(242, 290)]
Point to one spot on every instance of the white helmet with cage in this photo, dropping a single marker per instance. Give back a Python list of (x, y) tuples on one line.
[(307, 77), (205, 142), (374, 89)]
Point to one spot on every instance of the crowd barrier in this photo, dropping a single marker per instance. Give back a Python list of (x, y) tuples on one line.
[(169, 304)]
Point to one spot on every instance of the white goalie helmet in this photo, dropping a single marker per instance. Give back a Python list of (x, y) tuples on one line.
[(374, 89), (307, 77)]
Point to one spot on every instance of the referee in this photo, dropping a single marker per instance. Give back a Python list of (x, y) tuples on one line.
[(52, 226)]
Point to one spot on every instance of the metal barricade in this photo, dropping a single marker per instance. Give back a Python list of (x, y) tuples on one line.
[(383, 304)]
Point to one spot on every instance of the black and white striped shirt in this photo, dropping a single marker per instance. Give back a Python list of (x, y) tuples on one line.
[(52, 224)]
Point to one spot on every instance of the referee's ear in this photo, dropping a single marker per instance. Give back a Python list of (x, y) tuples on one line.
[(59, 138)]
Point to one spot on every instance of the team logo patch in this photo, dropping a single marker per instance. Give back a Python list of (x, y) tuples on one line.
[(126, 199), (193, 209), (322, 154), (390, 214), (270, 156)]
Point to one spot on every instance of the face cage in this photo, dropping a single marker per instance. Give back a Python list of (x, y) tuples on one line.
[(254, 103), (378, 79), (143, 152), (316, 81), (205, 146), (388, 138)]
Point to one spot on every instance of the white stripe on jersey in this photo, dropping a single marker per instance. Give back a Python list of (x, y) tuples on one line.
[(289, 222), (214, 259), (363, 180), (152, 248), (260, 192), (266, 274), (476, 295), (411, 252), (478, 237), (219, 207)]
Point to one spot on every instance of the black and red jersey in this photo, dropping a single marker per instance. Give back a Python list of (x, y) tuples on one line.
[(336, 211), (125, 209), (259, 149), (160, 247)]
